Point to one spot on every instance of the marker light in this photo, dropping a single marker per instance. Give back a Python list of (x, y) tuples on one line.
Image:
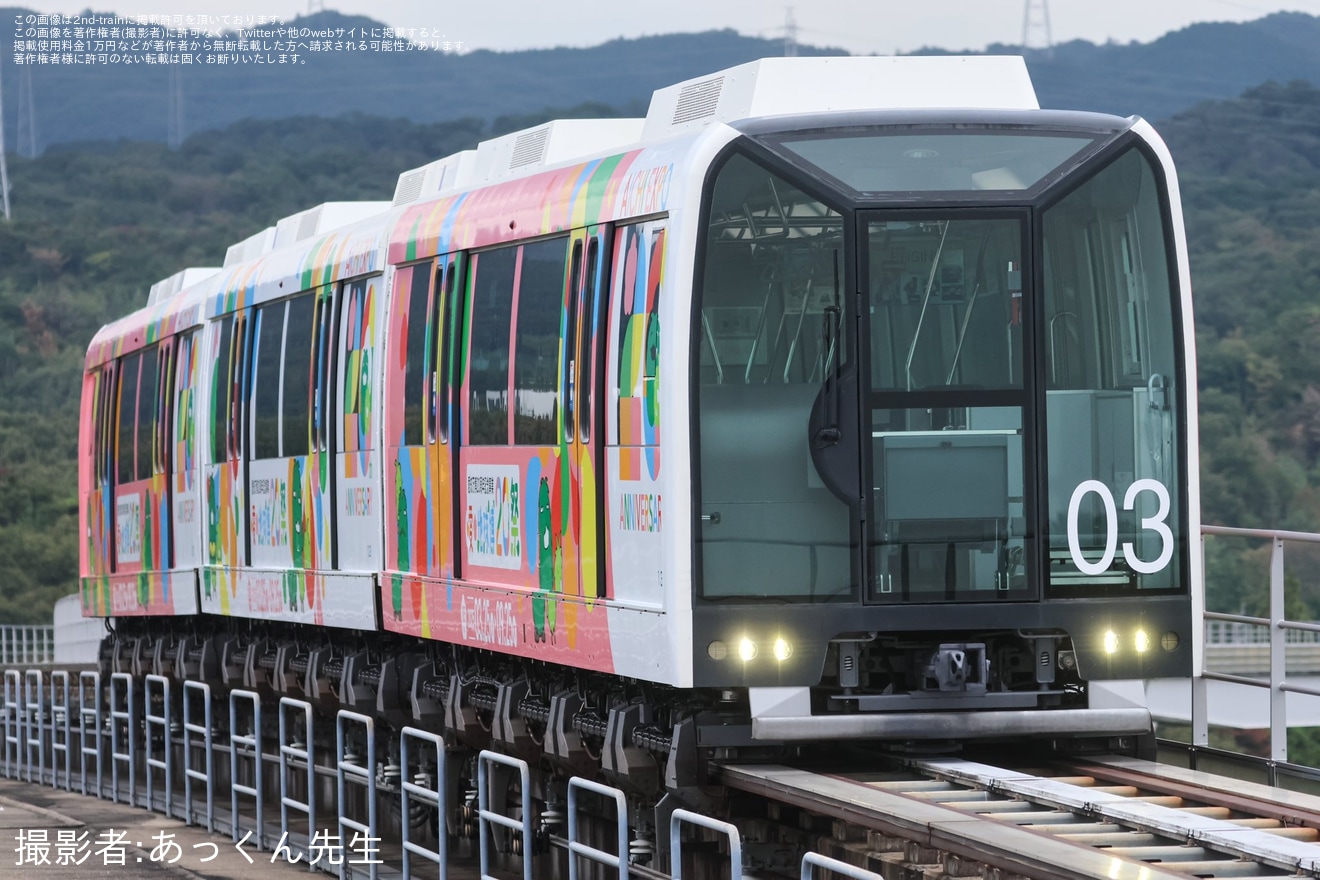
[(783, 649), (717, 650), (1111, 642), (1169, 641), (1141, 641), (747, 650)]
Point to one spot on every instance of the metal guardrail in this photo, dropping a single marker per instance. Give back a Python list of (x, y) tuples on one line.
[(158, 721), (352, 771), (420, 787), (292, 750), (816, 860), (193, 693), (246, 746), (123, 729), (1231, 633), (577, 848), (1278, 632), (687, 817), (27, 645), (487, 762), (89, 689)]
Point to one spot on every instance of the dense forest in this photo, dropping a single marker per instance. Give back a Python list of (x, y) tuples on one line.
[(96, 225), (1250, 175)]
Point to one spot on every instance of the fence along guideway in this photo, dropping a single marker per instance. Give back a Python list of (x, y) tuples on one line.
[(152, 743)]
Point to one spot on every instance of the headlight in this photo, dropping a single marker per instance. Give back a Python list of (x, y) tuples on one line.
[(1111, 642), (783, 649), (1141, 641), (747, 650)]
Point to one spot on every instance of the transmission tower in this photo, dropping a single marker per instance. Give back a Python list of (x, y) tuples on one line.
[(4, 174), (315, 6), (1036, 34), (790, 34), (175, 109), (27, 114)]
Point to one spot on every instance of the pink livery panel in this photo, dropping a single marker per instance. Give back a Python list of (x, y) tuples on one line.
[(520, 540)]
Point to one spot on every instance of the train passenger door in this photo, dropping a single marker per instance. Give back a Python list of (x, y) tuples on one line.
[(581, 420), (225, 489), (511, 460), (139, 495), (185, 470), (418, 512), (632, 451), (287, 495), (358, 535), (98, 555)]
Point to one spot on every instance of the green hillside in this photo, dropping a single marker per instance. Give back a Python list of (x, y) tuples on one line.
[(76, 103)]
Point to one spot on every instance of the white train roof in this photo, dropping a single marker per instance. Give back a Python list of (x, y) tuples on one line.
[(769, 87), (784, 86)]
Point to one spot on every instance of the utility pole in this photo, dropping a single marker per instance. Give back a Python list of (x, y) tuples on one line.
[(790, 34), (1036, 27), (27, 114), (4, 174)]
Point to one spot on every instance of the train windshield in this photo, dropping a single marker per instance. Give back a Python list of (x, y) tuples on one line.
[(944, 401), (915, 160)]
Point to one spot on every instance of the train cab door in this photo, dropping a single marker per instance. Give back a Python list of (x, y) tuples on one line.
[(581, 378), (946, 427)]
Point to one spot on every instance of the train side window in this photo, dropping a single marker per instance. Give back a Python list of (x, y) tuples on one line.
[(220, 385), (295, 403), (126, 417), (488, 355), (98, 424), (536, 360), (266, 382), (573, 362), (416, 378), (434, 345), (639, 258), (165, 404), (592, 318), (451, 307), (183, 396), (322, 372), (146, 413), (239, 370), (358, 348)]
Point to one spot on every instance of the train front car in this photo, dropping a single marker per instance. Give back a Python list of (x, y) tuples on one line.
[(943, 410)]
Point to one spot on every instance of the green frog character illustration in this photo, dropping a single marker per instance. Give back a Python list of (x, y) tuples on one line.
[(401, 539), (212, 528), (148, 557), (545, 566)]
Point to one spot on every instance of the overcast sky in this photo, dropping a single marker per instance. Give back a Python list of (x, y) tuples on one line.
[(860, 26)]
